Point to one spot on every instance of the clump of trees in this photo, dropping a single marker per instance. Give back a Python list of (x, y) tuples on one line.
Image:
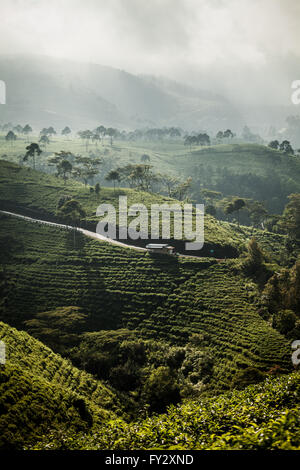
[(284, 147), (281, 297), (221, 135), (199, 139), (235, 206), (67, 164), (142, 177), (11, 137)]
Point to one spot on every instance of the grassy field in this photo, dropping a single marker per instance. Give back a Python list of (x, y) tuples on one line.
[(161, 297)]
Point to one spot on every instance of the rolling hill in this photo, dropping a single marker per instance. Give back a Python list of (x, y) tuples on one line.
[(244, 170), (39, 391), (36, 194), (165, 298)]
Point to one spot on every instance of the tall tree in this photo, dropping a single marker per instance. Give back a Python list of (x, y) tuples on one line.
[(44, 140), (66, 131), (11, 137), (113, 176), (73, 212), (286, 148), (291, 216), (235, 206), (27, 130), (64, 168), (111, 133), (33, 150)]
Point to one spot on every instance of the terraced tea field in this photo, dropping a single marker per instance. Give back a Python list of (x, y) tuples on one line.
[(161, 297)]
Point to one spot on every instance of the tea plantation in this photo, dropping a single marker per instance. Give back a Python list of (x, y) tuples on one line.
[(40, 390), (261, 417), (162, 298)]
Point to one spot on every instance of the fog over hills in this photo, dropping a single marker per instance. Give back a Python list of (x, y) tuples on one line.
[(51, 91)]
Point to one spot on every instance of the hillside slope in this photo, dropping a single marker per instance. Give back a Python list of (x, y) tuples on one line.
[(161, 297), (36, 194), (40, 391), (261, 417), (245, 170)]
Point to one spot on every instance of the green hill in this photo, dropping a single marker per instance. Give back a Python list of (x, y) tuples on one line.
[(245, 170), (39, 391), (161, 297), (36, 194)]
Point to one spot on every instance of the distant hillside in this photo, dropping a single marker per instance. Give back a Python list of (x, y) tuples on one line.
[(246, 170), (46, 91), (40, 391)]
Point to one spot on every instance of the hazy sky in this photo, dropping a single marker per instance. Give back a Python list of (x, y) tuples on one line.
[(245, 48)]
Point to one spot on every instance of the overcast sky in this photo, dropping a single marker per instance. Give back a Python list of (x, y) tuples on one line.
[(244, 48)]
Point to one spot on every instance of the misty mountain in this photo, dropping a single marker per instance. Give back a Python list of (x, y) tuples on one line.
[(49, 91)]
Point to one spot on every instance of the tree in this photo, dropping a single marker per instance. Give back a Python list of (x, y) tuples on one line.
[(87, 169), (161, 389), (18, 129), (169, 182), (51, 131), (257, 212), (11, 137), (228, 134), (44, 140), (100, 130), (203, 139), (72, 211), (274, 144), (254, 259), (235, 206), (141, 176), (145, 158), (291, 216), (220, 135), (33, 150), (64, 168), (96, 138), (114, 176), (111, 133), (85, 136), (66, 131), (97, 189), (27, 130), (286, 148), (180, 191)]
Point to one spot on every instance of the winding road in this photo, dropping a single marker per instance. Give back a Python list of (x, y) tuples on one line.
[(88, 233)]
